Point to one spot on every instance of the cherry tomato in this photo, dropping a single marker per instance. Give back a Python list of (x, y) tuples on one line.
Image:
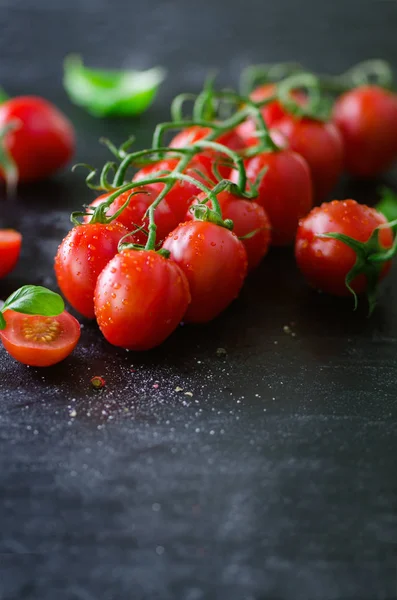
[(43, 140), (248, 217), (190, 135), (39, 341), (285, 191), (140, 298), (133, 216), (325, 262), (10, 248), (272, 112), (81, 256), (180, 195), (367, 119), (321, 145), (214, 262)]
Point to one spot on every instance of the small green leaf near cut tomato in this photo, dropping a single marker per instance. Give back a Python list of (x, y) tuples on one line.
[(33, 300), (111, 93), (3, 96)]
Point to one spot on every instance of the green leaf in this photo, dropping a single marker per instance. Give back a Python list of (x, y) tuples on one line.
[(110, 93), (2, 321), (35, 300), (3, 96), (388, 203)]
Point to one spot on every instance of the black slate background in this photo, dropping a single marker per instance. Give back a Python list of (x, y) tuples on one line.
[(275, 478)]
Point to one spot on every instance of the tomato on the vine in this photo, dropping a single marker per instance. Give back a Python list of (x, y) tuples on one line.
[(367, 119), (214, 261), (42, 140), (250, 224), (272, 112), (140, 299), (231, 139), (321, 145), (285, 191), (81, 256), (37, 340), (134, 216), (181, 193), (325, 262), (10, 248)]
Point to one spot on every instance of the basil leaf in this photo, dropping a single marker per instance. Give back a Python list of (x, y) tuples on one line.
[(110, 93), (2, 322), (35, 300)]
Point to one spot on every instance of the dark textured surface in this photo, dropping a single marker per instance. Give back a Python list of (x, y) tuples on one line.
[(275, 477)]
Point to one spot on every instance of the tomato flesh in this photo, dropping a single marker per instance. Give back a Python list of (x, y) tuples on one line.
[(43, 140), (10, 248), (325, 262), (39, 341), (215, 264), (140, 298)]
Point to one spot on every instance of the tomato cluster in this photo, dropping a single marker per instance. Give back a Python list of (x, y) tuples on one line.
[(174, 242)]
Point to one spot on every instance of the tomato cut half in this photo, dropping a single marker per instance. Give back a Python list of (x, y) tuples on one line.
[(39, 341), (10, 248)]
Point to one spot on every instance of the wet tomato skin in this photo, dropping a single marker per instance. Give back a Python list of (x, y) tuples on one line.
[(133, 215), (321, 145), (247, 217), (140, 298), (10, 248), (326, 262), (367, 119), (214, 262), (181, 193), (285, 191), (39, 341), (81, 256), (43, 140)]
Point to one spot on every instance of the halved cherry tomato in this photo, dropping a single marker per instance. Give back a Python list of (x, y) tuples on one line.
[(325, 262), (321, 145), (230, 139), (39, 341), (272, 112), (214, 262), (180, 195), (81, 256), (140, 298), (10, 248), (248, 218), (133, 215), (367, 119), (285, 191), (43, 138)]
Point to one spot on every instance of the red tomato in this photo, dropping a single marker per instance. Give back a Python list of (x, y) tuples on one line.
[(325, 262), (367, 119), (39, 341), (214, 262), (43, 140), (321, 145), (140, 298), (179, 197), (247, 217), (272, 112), (10, 248), (230, 139), (82, 255), (133, 216), (285, 191)]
